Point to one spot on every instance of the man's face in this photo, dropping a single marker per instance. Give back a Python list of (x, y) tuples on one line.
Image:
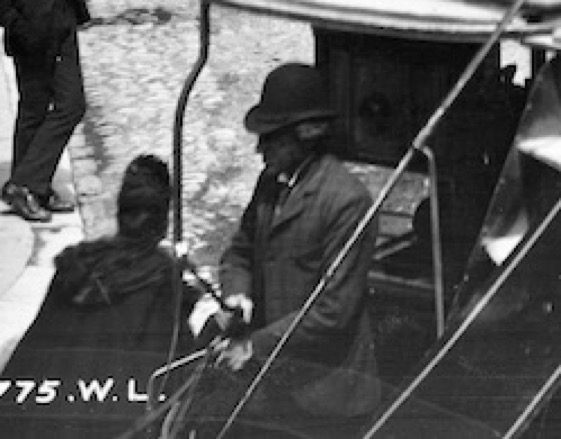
[(281, 152)]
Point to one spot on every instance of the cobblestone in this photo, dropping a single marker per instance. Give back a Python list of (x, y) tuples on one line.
[(89, 185), (134, 66), (135, 57)]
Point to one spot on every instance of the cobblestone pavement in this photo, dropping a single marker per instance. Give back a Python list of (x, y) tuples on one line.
[(136, 55), (135, 58)]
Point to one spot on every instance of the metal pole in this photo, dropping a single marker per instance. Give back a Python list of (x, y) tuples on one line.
[(428, 129), (204, 36), (496, 284), (436, 244)]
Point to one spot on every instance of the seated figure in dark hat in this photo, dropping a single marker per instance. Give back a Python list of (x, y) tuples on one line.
[(108, 269), (108, 317)]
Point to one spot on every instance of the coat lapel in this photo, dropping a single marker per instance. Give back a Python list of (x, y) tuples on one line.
[(300, 195), (292, 208)]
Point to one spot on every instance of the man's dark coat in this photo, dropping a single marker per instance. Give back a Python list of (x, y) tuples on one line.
[(279, 266), (29, 25)]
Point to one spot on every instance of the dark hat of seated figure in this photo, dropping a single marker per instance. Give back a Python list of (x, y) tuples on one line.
[(144, 199), (105, 271)]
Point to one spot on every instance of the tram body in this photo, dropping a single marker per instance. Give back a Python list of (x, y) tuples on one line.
[(466, 297)]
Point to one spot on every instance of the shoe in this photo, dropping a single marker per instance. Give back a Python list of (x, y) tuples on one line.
[(54, 203), (24, 203)]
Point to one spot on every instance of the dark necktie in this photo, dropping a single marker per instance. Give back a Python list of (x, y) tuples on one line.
[(270, 202), (284, 192)]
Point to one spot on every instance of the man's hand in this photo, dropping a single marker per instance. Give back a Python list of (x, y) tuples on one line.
[(225, 318), (234, 353), (208, 320), (205, 308)]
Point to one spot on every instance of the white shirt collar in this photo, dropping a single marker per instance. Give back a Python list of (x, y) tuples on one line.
[(290, 181)]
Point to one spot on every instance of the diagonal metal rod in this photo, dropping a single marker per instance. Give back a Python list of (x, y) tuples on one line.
[(512, 263), (428, 129), (417, 145), (318, 289)]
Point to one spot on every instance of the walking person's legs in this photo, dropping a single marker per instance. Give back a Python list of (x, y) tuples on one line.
[(34, 83), (51, 104), (37, 167)]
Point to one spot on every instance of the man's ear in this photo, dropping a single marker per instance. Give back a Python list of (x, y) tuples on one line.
[(311, 130)]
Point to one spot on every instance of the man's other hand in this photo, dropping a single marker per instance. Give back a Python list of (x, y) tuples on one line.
[(234, 353)]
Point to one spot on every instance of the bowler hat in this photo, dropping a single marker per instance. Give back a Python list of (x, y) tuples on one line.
[(292, 93)]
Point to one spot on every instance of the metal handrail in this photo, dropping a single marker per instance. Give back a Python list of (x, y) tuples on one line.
[(509, 266), (436, 241)]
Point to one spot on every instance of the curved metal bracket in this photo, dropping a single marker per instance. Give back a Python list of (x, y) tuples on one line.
[(204, 38), (436, 243)]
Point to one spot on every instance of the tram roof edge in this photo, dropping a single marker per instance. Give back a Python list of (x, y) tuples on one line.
[(441, 20)]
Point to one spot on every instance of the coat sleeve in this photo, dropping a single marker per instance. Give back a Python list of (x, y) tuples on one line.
[(236, 264), (331, 318)]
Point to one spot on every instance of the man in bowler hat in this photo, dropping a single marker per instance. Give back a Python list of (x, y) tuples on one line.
[(304, 208), (41, 37)]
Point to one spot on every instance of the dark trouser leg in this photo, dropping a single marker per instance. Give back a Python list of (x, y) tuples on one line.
[(37, 160), (34, 78)]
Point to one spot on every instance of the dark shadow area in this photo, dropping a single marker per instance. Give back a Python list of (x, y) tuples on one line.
[(111, 316)]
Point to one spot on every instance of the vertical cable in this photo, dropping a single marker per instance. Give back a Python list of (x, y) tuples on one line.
[(177, 278)]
